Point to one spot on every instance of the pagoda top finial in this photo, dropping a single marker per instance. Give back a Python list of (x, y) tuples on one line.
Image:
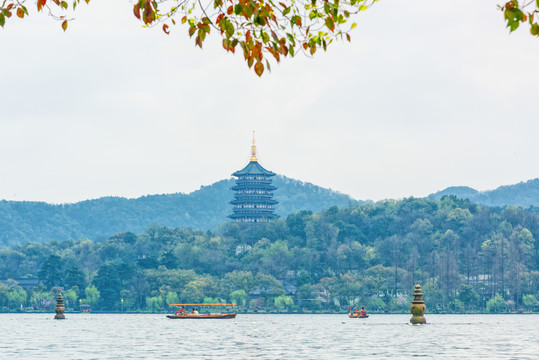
[(253, 149)]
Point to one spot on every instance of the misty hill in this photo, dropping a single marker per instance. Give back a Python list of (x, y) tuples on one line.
[(523, 194), (206, 208)]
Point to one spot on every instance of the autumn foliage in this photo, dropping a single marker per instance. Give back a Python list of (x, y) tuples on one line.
[(260, 29)]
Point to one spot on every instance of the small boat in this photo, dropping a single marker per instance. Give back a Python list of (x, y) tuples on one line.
[(357, 315), (182, 314), (203, 316)]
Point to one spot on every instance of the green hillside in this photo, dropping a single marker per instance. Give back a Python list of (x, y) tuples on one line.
[(523, 194), (206, 208), (467, 258)]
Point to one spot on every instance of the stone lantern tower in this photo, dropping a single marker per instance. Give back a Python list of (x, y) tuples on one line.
[(59, 308), (418, 307)]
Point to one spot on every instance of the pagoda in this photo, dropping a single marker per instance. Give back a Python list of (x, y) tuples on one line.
[(253, 201)]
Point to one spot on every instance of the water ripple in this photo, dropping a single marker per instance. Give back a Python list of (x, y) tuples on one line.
[(92, 336)]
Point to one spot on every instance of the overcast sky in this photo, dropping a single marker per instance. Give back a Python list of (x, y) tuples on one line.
[(429, 94)]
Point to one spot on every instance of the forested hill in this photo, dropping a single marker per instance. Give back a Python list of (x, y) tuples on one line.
[(523, 194), (466, 258), (206, 208)]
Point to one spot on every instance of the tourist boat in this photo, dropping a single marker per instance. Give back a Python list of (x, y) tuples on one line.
[(357, 315), (211, 315)]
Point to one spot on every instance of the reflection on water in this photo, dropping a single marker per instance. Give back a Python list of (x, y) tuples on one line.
[(92, 336)]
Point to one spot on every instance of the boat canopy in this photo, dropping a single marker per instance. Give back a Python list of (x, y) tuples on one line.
[(201, 304)]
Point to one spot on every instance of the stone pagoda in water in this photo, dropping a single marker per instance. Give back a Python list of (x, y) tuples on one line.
[(253, 201), (418, 307), (59, 308)]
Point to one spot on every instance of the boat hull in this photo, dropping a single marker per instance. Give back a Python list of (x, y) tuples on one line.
[(357, 316), (208, 316)]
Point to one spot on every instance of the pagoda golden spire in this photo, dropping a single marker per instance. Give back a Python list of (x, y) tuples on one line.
[(253, 149)]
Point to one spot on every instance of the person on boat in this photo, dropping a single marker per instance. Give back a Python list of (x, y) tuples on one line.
[(182, 311), (362, 312), (196, 312)]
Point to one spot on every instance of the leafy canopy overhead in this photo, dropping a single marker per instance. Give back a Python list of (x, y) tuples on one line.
[(261, 29)]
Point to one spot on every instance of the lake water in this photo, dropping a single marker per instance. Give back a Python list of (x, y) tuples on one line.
[(99, 336)]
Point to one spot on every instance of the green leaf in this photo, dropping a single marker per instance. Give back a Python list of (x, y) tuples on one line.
[(353, 26), (229, 29), (259, 68), (238, 9), (64, 25), (2, 20), (330, 24), (362, 8), (287, 10), (291, 38), (291, 50)]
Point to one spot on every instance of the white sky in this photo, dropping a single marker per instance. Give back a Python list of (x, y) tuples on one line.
[(429, 94)]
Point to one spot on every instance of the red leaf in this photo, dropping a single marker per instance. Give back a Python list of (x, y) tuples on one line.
[(64, 25), (259, 68), (43, 2), (136, 10), (9, 7), (348, 37), (165, 29), (20, 13), (230, 10), (248, 36)]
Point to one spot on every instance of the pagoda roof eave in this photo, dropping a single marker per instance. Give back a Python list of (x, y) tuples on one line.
[(262, 187), (253, 201), (237, 216), (253, 168)]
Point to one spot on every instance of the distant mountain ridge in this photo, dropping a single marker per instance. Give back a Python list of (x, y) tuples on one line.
[(206, 208), (523, 194)]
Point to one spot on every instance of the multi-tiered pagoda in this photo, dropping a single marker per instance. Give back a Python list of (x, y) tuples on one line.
[(253, 201)]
